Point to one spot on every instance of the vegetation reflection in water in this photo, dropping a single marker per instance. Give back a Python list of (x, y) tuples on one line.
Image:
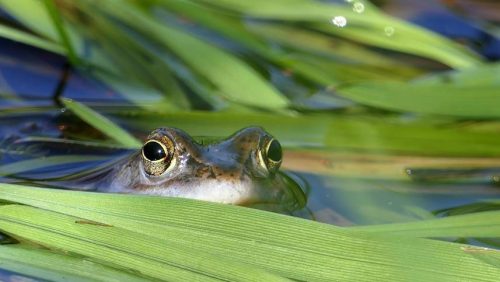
[(400, 134)]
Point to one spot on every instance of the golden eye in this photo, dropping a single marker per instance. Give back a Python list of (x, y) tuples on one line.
[(272, 155), (156, 157)]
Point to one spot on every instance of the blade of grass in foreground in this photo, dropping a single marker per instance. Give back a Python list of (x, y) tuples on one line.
[(147, 255), (50, 266), (102, 123), (150, 227)]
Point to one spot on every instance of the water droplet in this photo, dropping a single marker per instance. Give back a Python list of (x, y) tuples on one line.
[(339, 21), (496, 179), (358, 7), (389, 30)]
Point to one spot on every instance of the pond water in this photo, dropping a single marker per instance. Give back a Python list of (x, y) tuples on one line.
[(342, 188)]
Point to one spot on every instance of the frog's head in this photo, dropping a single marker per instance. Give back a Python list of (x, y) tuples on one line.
[(242, 169)]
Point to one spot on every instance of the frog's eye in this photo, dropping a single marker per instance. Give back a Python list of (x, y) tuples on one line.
[(272, 155), (156, 157)]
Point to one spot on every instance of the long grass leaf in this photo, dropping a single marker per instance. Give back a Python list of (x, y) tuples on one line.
[(359, 133), (368, 26), (50, 266), (439, 99), (37, 19), (44, 162), (58, 23), (147, 255), (235, 79), (483, 224), (29, 39), (292, 247), (102, 123)]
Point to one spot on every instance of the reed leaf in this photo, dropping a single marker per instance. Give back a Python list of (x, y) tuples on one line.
[(47, 265), (476, 102), (173, 237)]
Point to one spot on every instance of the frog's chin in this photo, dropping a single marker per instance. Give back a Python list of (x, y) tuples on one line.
[(225, 192)]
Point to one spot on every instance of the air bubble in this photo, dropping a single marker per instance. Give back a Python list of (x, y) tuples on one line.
[(339, 21)]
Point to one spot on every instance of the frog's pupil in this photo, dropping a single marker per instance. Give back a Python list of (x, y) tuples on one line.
[(274, 151), (153, 151)]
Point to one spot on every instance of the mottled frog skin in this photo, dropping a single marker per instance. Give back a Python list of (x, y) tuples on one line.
[(242, 169)]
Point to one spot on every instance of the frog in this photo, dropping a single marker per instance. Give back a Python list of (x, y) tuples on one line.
[(242, 169)]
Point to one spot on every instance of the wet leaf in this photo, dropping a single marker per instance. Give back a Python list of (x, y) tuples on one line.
[(368, 27)]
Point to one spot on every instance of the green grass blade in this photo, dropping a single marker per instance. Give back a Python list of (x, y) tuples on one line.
[(146, 97), (439, 99), (37, 19), (438, 48), (102, 123), (35, 16), (359, 133), (51, 266), (29, 39), (150, 256), (251, 38), (482, 224), (367, 27), (43, 162), (291, 247), (235, 80), (58, 23), (487, 74), (132, 63)]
